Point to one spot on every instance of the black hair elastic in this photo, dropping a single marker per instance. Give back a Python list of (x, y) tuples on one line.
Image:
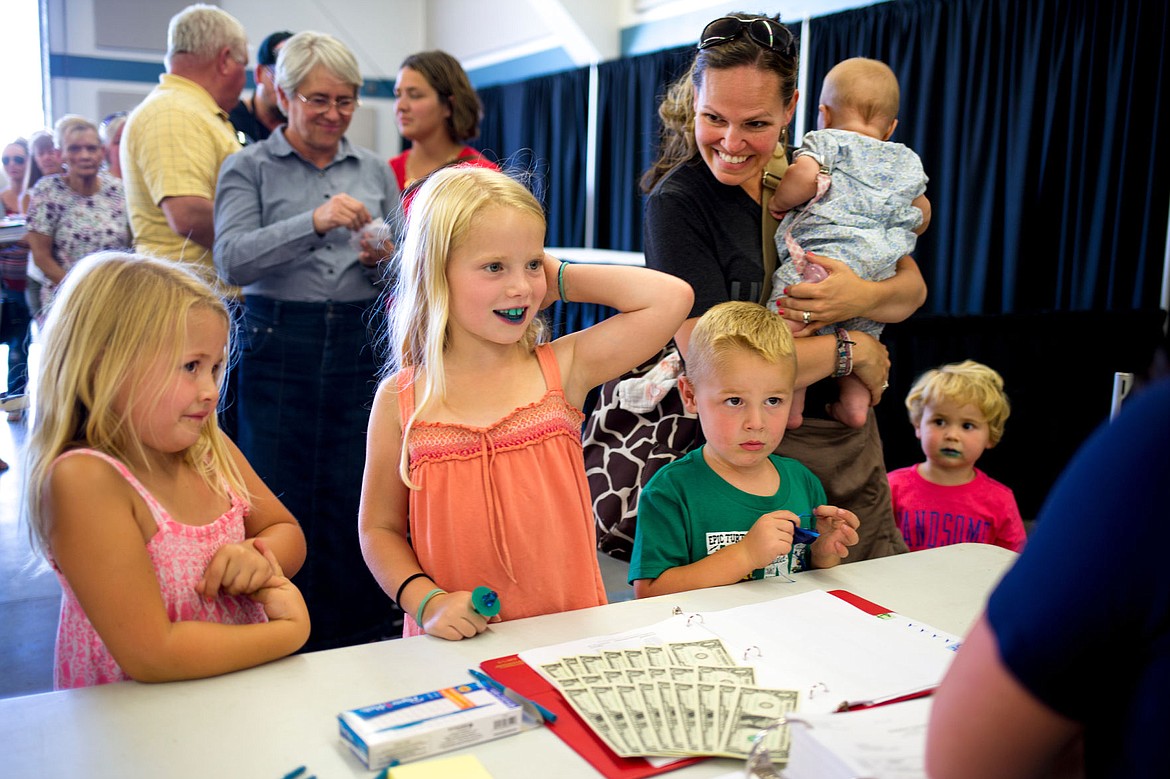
[(406, 581)]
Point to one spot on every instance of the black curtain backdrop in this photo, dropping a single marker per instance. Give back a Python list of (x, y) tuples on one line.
[(1037, 123), (628, 93), (539, 128)]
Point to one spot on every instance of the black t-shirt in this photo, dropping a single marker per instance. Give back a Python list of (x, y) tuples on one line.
[(246, 123), (706, 233)]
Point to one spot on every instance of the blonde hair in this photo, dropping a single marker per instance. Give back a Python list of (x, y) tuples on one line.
[(962, 383), (442, 215), (68, 124), (737, 326), (865, 87), (114, 316), (202, 30)]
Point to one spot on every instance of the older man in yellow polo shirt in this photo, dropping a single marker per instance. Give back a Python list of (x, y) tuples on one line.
[(177, 138)]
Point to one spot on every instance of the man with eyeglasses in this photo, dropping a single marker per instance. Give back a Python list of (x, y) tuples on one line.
[(256, 118), (293, 217)]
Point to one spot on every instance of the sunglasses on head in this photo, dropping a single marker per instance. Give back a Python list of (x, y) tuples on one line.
[(768, 33), (16, 158), (116, 115)]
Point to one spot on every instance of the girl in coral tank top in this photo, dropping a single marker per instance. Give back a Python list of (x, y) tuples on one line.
[(474, 474)]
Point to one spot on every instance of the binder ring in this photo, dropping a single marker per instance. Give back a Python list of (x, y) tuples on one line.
[(692, 617), (749, 650), (819, 687)]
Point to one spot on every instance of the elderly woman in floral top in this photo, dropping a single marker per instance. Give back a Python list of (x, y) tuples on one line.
[(78, 212)]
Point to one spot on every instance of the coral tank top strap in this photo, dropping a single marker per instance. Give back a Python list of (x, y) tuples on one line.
[(549, 367), (404, 381)]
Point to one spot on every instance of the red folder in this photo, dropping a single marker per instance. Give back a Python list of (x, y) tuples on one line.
[(574, 731), (869, 607)]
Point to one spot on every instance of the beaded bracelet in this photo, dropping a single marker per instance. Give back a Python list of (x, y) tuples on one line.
[(561, 282), (406, 581), (418, 617), (844, 354)]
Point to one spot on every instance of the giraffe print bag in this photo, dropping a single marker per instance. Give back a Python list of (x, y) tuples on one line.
[(624, 448)]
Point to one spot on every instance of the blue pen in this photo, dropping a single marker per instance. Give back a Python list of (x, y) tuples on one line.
[(511, 694), (801, 535), (293, 774)]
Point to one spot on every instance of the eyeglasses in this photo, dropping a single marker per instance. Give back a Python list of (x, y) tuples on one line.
[(15, 158), (320, 104), (768, 33)]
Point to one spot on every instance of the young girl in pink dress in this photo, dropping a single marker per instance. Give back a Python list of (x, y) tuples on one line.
[(170, 551), (474, 474)]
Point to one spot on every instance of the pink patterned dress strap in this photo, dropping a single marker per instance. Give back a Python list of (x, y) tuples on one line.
[(179, 554), (156, 510), (814, 272)]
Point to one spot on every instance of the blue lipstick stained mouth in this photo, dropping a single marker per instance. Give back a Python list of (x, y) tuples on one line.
[(951, 453), (512, 314)]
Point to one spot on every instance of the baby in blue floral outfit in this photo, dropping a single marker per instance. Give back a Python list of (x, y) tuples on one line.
[(851, 195)]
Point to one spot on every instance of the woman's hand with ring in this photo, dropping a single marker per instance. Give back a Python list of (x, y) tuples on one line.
[(842, 295)]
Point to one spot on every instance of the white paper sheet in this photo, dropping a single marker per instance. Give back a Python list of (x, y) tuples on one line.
[(815, 643), (887, 742)]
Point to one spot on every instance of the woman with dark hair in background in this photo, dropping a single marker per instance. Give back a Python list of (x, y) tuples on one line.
[(437, 110)]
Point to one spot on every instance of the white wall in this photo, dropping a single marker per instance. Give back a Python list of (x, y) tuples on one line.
[(480, 33), (380, 33)]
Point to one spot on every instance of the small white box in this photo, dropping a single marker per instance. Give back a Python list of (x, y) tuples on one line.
[(422, 725)]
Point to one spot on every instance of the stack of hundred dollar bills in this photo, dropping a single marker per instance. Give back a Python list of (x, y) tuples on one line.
[(673, 700)]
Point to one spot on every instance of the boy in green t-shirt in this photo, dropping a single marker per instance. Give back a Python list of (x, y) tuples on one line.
[(729, 510)]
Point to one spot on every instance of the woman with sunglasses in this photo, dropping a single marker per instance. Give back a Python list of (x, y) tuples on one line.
[(15, 164), (14, 316), (290, 214), (438, 111), (722, 122)]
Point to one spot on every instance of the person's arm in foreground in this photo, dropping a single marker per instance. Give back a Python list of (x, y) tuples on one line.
[(983, 717)]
